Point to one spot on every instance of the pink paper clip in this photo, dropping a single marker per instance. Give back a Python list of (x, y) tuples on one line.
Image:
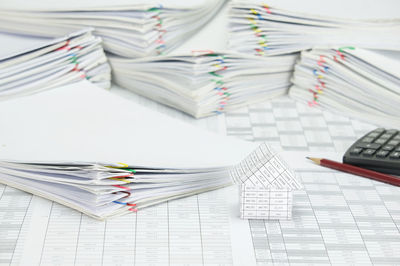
[(202, 52), (266, 7), (118, 186), (340, 54), (312, 103)]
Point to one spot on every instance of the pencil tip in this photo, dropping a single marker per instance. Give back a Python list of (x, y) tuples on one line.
[(316, 160)]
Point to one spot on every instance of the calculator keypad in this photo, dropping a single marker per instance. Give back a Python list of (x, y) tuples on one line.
[(379, 149), (382, 154), (395, 155)]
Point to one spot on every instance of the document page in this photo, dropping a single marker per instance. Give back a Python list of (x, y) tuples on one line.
[(337, 218), (200, 230)]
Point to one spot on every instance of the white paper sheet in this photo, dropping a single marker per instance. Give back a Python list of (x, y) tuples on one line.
[(110, 129), (48, 5), (338, 219), (340, 9), (15, 44)]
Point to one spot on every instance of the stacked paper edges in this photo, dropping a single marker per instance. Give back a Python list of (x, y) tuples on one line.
[(360, 83), (165, 158), (205, 82), (52, 63), (104, 190), (133, 30), (261, 29)]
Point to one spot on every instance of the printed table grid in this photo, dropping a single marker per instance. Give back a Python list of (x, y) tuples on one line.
[(338, 219)]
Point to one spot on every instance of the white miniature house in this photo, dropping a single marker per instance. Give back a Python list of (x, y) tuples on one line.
[(266, 185)]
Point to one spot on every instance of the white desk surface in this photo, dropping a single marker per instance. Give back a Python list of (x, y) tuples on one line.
[(337, 218)]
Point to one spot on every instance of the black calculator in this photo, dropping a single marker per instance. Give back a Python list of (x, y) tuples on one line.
[(379, 150)]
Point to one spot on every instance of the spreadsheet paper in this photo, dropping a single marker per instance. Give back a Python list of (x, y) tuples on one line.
[(337, 218)]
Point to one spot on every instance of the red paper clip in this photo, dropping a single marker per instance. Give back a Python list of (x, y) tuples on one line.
[(65, 47), (118, 186), (127, 192)]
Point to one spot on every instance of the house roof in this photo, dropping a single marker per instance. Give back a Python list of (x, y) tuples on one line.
[(263, 167)]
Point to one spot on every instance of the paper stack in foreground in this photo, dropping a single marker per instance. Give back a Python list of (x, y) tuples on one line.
[(206, 82), (357, 82), (29, 65), (103, 155), (129, 28), (279, 26)]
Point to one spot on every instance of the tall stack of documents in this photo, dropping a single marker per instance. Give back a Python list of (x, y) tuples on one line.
[(280, 27), (109, 159), (29, 65), (202, 78), (358, 82), (204, 83), (128, 28)]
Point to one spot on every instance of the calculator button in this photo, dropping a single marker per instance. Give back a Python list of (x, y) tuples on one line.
[(397, 149), (382, 154), (367, 140), (394, 142), (386, 136), (374, 134), (381, 141), (395, 155), (392, 131), (374, 146), (356, 151), (397, 137), (388, 147), (380, 130), (369, 152)]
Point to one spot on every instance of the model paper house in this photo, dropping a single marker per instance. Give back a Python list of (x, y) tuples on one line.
[(266, 185)]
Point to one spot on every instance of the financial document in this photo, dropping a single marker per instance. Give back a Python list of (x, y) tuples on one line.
[(196, 230), (337, 218)]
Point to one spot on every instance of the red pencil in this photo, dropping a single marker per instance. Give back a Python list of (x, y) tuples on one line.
[(358, 171)]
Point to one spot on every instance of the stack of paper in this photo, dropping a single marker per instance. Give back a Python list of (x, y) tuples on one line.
[(357, 82), (29, 65), (201, 77), (101, 191), (111, 158), (289, 26), (205, 83), (128, 28)]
